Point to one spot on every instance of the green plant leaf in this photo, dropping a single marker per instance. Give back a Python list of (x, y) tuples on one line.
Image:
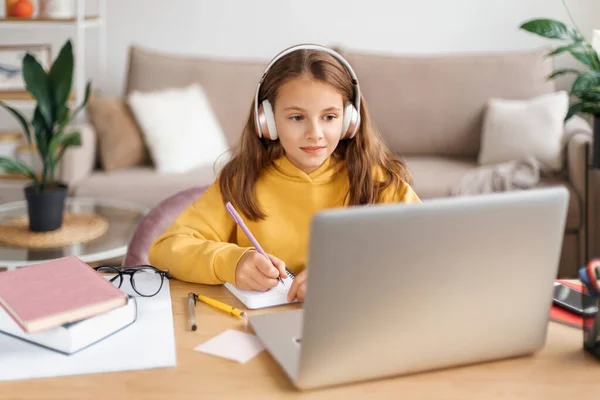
[(584, 57), (589, 96), (42, 136), (61, 143), (61, 75), (586, 81), (590, 57), (39, 85), (592, 108), (11, 166), (595, 59), (574, 109), (86, 97), (564, 71), (562, 49), (63, 119), (551, 29), (63, 113), (52, 146), (21, 118), (71, 139), (62, 140)]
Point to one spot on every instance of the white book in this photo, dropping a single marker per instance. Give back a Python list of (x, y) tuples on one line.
[(273, 297), (74, 336)]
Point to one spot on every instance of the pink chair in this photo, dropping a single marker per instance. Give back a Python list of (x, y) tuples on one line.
[(155, 222)]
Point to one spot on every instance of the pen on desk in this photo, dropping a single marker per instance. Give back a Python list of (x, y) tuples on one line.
[(238, 220), (191, 310), (221, 306)]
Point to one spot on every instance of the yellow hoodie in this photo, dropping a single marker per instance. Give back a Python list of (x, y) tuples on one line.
[(204, 244)]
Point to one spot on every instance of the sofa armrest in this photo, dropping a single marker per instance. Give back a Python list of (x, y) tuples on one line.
[(578, 134), (576, 161), (78, 162)]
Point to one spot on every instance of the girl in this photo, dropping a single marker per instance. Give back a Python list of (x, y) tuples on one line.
[(308, 145)]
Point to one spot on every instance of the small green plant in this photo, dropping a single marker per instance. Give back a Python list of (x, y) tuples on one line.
[(51, 116), (586, 86)]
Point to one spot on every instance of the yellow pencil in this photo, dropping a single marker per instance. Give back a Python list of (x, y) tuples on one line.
[(222, 306)]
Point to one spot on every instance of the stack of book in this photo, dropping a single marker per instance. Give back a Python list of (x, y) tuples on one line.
[(63, 305)]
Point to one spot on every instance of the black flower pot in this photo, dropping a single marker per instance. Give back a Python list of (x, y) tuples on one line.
[(596, 144), (46, 208)]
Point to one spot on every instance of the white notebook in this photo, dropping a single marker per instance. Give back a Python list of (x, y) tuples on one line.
[(273, 297), (71, 337)]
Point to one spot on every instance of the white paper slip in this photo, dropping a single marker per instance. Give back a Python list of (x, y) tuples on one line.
[(273, 297), (232, 344)]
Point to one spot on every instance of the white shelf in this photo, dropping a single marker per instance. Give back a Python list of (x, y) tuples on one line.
[(32, 23), (19, 103), (23, 99), (79, 24), (19, 95)]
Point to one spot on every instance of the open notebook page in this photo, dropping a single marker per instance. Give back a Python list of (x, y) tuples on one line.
[(273, 297)]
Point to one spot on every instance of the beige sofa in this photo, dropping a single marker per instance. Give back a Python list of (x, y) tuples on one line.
[(428, 108)]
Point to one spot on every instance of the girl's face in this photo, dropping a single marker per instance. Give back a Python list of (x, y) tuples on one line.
[(309, 118)]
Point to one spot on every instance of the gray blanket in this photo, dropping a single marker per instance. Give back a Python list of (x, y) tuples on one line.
[(516, 174)]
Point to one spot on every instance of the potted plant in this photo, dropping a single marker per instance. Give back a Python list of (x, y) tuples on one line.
[(586, 86), (48, 131)]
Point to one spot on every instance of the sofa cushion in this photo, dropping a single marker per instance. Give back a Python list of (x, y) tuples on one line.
[(514, 130), (120, 141), (433, 105), (229, 84), (142, 185), (179, 128), (435, 176)]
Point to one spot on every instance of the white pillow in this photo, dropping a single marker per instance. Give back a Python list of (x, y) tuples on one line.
[(516, 129), (179, 127)]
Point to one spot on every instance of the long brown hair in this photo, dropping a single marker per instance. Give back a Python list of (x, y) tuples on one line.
[(361, 154)]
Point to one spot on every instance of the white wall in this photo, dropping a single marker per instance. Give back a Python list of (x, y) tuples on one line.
[(596, 15), (261, 28)]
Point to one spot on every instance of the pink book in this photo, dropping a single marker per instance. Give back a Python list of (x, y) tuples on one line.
[(49, 294)]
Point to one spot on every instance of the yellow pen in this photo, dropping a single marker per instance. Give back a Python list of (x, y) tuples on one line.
[(221, 306)]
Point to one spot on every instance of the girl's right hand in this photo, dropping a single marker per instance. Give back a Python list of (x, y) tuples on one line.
[(255, 272)]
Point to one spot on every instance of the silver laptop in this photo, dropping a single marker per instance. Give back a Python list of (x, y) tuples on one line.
[(398, 289)]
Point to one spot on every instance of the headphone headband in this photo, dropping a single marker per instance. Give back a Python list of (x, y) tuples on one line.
[(329, 51)]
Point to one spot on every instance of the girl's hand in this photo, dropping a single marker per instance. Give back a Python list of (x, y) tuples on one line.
[(298, 289), (255, 272)]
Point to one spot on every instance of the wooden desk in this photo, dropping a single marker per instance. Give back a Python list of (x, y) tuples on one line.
[(561, 370)]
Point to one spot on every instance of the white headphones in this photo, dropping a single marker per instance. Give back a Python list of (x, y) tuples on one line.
[(264, 118)]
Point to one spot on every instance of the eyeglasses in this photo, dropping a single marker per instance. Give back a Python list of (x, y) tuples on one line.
[(137, 274)]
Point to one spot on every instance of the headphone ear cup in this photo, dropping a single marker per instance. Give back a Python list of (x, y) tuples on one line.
[(351, 120), (267, 121)]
